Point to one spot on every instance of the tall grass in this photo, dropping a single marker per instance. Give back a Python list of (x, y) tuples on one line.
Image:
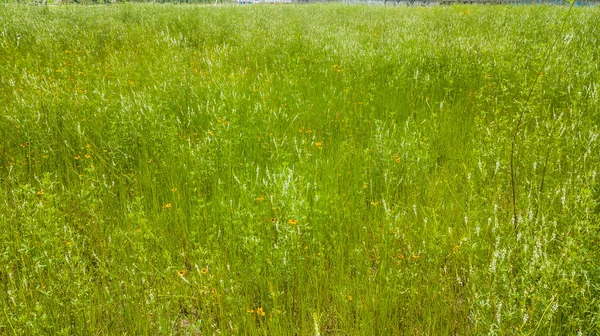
[(303, 170)]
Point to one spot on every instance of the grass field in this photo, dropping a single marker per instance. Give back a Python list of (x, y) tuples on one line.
[(299, 170)]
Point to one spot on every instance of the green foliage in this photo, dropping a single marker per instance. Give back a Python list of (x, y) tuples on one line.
[(298, 170)]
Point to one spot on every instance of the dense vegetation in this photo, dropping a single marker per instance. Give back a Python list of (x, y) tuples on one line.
[(282, 170)]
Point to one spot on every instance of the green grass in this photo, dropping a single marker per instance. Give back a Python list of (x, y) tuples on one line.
[(343, 168)]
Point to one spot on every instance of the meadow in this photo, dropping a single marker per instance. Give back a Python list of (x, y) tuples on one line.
[(299, 170)]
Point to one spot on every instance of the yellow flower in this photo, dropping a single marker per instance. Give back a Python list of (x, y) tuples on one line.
[(273, 219), (260, 311), (41, 192), (374, 203), (260, 198), (88, 146), (174, 189), (319, 144), (292, 221), (204, 271), (398, 160), (250, 311), (87, 156), (77, 157), (365, 186), (181, 273), (168, 205)]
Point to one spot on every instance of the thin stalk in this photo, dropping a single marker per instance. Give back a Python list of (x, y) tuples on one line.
[(522, 113)]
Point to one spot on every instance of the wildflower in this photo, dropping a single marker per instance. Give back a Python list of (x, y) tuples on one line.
[(68, 243), (250, 311), (204, 271), (260, 198), (273, 219), (181, 273), (150, 161), (292, 222), (349, 297), (174, 189), (77, 157), (168, 205), (319, 144), (260, 311), (105, 151), (87, 156), (365, 186), (41, 192), (397, 160), (27, 143), (374, 203), (88, 146)]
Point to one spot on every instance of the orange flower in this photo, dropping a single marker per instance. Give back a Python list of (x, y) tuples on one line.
[(292, 222)]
